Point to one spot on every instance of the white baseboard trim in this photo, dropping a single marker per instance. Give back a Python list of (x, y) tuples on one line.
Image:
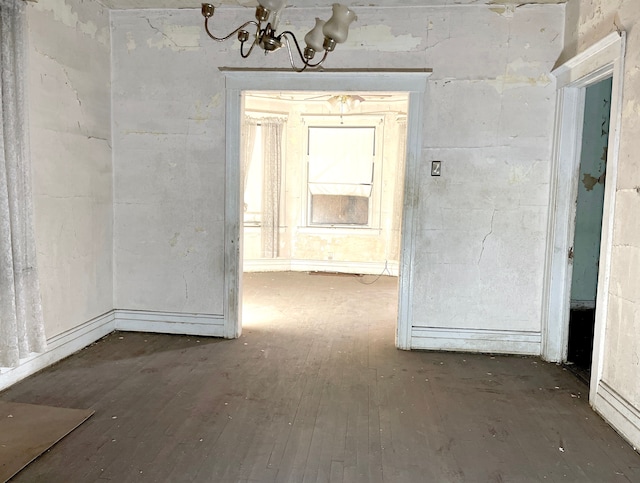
[(282, 265), (619, 413), (169, 322), (476, 340), (59, 347)]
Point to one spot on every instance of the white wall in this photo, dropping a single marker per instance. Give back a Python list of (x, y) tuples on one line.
[(70, 122), (489, 111), (618, 395), (168, 164)]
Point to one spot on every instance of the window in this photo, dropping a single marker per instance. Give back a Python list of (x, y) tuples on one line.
[(341, 174)]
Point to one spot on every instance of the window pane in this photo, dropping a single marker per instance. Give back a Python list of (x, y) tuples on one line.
[(341, 156), (339, 210)]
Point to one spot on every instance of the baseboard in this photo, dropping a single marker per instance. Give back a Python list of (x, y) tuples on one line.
[(619, 413), (286, 265), (59, 347), (169, 322), (476, 340)]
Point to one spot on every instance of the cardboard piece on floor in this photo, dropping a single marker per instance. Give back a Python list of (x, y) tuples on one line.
[(28, 430)]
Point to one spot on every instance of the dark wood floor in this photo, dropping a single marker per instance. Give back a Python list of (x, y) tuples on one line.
[(315, 391)]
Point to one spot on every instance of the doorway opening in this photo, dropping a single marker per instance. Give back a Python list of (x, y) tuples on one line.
[(322, 190), (585, 255), (237, 81)]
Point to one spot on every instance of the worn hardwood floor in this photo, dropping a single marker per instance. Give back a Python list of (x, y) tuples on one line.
[(315, 391)]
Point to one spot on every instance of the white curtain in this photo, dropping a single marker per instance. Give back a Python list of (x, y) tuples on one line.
[(248, 141), (21, 324), (272, 184)]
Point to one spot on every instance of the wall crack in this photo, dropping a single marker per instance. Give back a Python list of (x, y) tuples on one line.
[(487, 236)]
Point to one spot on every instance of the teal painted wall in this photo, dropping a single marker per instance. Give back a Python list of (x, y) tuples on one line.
[(593, 161)]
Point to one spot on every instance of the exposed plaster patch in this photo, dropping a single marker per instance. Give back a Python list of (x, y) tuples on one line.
[(631, 109), (178, 38), (215, 100), (201, 112), (504, 10), (174, 239), (522, 3), (519, 173), (63, 12), (381, 38), (515, 76), (131, 43)]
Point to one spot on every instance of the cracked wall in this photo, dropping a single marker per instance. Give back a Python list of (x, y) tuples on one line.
[(69, 110), (489, 110), (589, 21)]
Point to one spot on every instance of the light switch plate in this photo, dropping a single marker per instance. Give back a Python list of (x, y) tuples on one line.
[(435, 168)]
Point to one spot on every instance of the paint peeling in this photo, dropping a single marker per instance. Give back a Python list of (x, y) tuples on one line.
[(178, 38), (64, 13), (174, 240), (589, 181), (381, 38)]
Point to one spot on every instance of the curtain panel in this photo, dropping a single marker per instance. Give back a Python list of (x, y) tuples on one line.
[(272, 129), (21, 322)]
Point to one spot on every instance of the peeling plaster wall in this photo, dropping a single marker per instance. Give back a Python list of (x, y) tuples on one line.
[(489, 113), (588, 22), (69, 110)]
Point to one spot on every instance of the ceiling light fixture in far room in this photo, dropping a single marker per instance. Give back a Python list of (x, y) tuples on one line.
[(322, 38), (345, 102)]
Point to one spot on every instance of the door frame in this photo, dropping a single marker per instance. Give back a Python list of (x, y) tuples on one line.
[(413, 82), (602, 60)]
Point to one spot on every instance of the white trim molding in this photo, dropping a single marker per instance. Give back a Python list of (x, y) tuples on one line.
[(476, 340), (602, 60), (59, 347), (67, 343), (413, 82), (618, 412), (205, 325)]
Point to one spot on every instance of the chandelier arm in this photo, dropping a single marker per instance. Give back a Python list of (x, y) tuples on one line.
[(289, 51), (317, 64), (253, 44), (306, 62), (222, 39), (288, 33)]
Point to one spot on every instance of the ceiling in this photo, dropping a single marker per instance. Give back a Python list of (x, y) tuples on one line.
[(128, 4)]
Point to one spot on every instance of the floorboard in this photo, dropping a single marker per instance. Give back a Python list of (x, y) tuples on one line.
[(315, 391)]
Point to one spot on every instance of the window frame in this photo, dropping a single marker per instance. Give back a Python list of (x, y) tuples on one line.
[(375, 199)]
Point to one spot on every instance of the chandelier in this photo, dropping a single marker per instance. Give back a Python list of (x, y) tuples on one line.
[(322, 38)]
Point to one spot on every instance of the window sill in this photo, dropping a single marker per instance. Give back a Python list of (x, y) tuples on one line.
[(339, 230)]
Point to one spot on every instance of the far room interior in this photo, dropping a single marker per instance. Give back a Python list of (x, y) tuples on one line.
[(323, 182)]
